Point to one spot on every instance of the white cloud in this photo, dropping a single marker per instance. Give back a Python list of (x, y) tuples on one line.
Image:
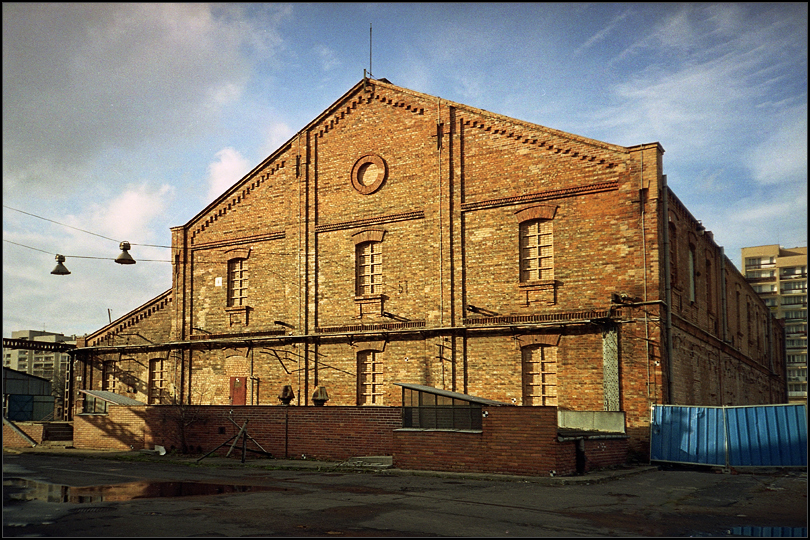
[(81, 79), (782, 156), (603, 33), (327, 57), (229, 167)]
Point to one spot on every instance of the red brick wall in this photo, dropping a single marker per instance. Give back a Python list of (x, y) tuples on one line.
[(332, 433), (514, 440)]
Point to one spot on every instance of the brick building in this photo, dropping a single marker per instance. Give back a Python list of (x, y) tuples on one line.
[(402, 238)]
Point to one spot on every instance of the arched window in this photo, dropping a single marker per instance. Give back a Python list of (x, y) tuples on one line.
[(157, 381), (369, 268), (237, 282), (536, 250), (692, 274), (369, 378), (539, 376)]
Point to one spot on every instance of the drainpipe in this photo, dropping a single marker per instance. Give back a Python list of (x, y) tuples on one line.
[(724, 314), (667, 285), (642, 204)]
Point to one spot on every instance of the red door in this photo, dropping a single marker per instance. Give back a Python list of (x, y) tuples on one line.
[(238, 391)]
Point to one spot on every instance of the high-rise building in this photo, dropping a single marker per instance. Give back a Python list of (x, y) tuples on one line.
[(779, 276)]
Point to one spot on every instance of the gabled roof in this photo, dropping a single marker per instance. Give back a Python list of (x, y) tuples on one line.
[(523, 131), (134, 316)]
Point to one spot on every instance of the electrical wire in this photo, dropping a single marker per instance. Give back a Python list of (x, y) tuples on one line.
[(78, 229), (80, 256)]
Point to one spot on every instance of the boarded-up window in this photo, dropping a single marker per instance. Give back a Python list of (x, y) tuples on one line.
[(110, 376)]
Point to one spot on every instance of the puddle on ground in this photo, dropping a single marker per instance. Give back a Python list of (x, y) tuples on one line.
[(41, 491), (769, 532)]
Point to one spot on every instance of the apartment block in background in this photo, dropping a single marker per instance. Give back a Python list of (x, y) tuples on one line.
[(779, 276)]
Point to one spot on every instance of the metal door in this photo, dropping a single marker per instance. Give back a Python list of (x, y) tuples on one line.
[(238, 391)]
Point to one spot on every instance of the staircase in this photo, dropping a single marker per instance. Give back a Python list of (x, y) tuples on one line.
[(57, 434)]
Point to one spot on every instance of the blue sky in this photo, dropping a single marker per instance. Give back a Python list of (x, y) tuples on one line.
[(123, 120)]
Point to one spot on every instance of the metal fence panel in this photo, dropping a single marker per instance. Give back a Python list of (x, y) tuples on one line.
[(687, 435), (756, 436), (767, 436)]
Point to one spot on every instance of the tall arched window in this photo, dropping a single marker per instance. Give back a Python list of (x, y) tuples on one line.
[(692, 274), (369, 268), (369, 378), (539, 376), (237, 282), (536, 250)]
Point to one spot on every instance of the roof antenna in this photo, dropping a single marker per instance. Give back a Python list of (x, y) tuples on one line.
[(369, 51)]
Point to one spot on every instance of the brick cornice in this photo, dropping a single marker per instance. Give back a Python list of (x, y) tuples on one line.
[(236, 198), (135, 316), (390, 218), (541, 196), (275, 235), (550, 317), (342, 329)]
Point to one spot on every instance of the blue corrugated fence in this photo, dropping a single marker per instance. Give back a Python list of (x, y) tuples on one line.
[(755, 436)]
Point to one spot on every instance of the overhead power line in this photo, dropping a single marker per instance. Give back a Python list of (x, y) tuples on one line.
[(80, 256), (78, 229)]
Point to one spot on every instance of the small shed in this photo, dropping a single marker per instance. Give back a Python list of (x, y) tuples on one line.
[(26, 398)]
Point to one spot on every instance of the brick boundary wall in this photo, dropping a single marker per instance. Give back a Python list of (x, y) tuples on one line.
[(11, 439), (514, 440), (331, 433)]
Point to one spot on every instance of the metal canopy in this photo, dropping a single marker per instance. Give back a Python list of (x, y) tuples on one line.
[(112, 397), (454, 395)]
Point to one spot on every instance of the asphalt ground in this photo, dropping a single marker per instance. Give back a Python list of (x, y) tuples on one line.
[(69, 492)]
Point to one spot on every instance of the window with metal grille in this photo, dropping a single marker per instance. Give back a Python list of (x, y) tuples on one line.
[(369, 378), (157, 381), (237, 282), (536, 250), (369, 268), (110, 376), (425, 410), (540, 376)]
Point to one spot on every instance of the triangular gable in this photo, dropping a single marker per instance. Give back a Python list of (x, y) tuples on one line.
[(136, 315), (567, 145)]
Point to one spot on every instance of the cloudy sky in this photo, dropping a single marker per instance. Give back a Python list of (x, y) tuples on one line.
[(123, 120)]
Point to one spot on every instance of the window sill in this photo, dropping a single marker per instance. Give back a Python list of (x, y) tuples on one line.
[(368, 297), (237, 315), (369, 305), (539, 284), (472, 431)]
